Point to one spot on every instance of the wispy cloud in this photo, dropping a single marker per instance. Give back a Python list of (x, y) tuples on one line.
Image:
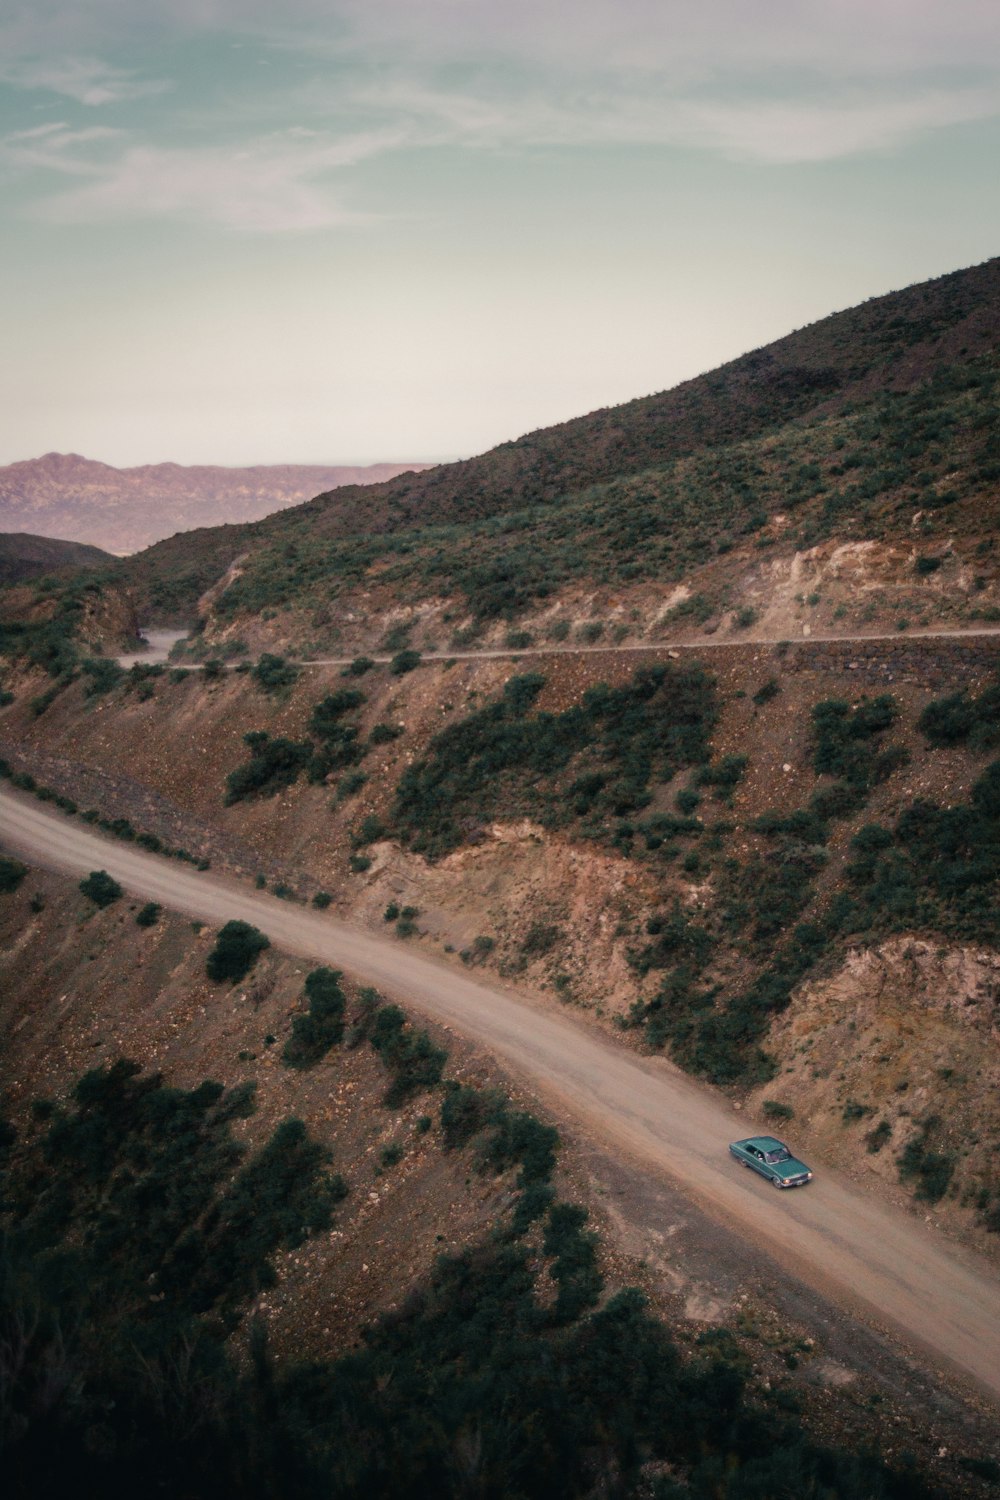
[(57, 147), (277, 184), (769, 81), (85, 79)]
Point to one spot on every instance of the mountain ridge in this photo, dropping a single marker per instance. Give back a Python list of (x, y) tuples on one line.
[(74, 498)]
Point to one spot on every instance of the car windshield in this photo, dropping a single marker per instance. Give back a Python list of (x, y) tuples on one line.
[(772, 1157)]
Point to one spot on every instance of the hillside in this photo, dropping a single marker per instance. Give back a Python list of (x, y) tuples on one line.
[(437, 1218), (24, 556), (723, 856), (123, 510), (874, 429)]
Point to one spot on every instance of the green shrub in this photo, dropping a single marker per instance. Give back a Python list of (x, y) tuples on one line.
[(725, 776), (322, 900), (391, 912), (322, 1027), (369, 831), (846, 741), (359, 666), (148, 915), (101, 888), (273, 765), (403, 662), (774, 1110), (105, 675), (237, 948), (962, 718), (412, 1058), (933, 1170), (574, 1269), (12, 872), (540, 939), (350, 785), (384, 734), (397, 638), (273, 673), (768, 690)]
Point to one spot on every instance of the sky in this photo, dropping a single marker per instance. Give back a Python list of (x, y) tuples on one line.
[(349, 231)]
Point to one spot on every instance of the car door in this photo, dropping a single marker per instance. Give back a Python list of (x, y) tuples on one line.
[(756, 1160)]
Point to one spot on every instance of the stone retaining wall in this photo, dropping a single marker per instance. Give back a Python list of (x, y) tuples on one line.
[(940, 666)]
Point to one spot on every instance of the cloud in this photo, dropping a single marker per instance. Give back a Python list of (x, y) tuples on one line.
[(798, 131), (771, 81), (823, 124), (57, 147), (273, 185), (681, 38), (85, 79)]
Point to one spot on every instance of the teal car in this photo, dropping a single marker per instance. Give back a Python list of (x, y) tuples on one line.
[(772, 1159)]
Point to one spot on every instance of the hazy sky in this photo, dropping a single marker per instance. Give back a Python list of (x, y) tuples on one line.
[(410, 229)]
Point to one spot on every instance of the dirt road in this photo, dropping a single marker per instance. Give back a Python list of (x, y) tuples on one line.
[(869, 1257), (162, 640)]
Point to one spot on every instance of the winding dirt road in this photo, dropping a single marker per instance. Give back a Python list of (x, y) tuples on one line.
[(162, 641), (877, 1261)]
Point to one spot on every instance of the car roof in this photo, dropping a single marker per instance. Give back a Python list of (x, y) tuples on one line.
[(765, 1143)]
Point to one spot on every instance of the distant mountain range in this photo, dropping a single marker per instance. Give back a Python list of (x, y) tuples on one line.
[(122, 510)]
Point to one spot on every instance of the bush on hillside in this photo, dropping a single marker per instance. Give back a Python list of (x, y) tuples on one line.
[(101, 888), (273, 673), (12, 872), (237, 948), (273, 765), (322, 1027)]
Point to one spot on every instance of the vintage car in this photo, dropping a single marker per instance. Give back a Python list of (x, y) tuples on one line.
[(772, 1159)]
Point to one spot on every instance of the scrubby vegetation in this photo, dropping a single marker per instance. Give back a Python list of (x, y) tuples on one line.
[(12, 872), (273, 673), (101, 888), (137, 1232), (322, 1026), (964, 719), (334, 745), (938, 867), (591, 763), (237, 948), (761, 900)]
